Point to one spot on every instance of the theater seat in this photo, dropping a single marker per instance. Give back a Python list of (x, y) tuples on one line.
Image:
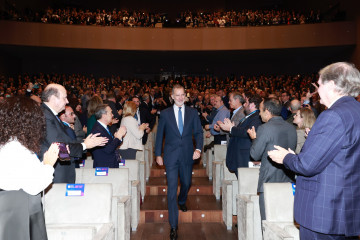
[(229, 193), (279, 210), (80, 217), (218, 168), (248, 210), (121, 189), (141, 158), (134, 177)]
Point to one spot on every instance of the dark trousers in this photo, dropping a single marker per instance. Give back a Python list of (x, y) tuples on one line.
[(262, 206), (128, 153), (173, 171), (21, 216), (307, 234), (219, 138)]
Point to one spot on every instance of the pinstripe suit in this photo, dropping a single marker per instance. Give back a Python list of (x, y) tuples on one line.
[(327, 198)]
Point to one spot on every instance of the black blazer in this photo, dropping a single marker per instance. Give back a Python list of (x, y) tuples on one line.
[(238, 150), (146, 117), (56, 132)]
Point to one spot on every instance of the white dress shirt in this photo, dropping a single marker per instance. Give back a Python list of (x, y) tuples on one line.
[(176, 111)]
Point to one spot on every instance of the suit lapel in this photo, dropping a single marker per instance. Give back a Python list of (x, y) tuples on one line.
[(105, 131), (173, 120), (60, 124), (186, 117)]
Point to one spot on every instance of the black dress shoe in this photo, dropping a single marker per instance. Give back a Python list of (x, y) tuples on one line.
[(183, 207), (173, 234)]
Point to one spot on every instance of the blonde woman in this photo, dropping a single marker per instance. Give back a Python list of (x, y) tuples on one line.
[(304, 119), (132, 140)]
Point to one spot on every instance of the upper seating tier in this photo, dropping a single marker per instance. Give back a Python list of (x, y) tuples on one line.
[(174, 39)]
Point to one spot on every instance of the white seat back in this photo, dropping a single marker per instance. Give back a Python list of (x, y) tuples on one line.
[(248, 181), (118, 177), (279, 202), (61, 209), (134, 170), (220, 152)]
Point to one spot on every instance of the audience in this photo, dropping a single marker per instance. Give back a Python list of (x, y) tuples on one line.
[(133, 138), (222, 113), (274, 131), (304, 119), (105, 156), (94, 102), (143, 115), (238, 150), (54, 100), (248, 18), (125, 18), (22, 176)]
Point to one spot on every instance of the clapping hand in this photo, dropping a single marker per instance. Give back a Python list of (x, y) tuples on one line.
[(120, 132), (93, 141), (252, 133), (279, 154), (51, 155), (226, 125)]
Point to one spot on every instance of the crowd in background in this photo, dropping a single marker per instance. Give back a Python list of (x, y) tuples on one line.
[(198, 88), (189, 18), (85, 17), (248, 18)]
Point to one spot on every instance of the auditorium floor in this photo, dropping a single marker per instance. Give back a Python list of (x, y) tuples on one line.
[(203, 220)]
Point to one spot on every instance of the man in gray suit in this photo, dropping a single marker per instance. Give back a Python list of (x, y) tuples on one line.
[(274, 131), (236, 102)]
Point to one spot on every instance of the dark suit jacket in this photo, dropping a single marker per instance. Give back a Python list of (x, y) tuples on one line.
[(238, 150), (327, 197), (178, 146), (56, 132), (275, 132), (114, 111), (105, 156), (146, 117)]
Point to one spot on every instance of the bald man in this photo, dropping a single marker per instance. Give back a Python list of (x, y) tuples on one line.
[(54, 99)]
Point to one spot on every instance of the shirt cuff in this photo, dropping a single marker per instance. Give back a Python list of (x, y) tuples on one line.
[(198, 150), (84, 146)]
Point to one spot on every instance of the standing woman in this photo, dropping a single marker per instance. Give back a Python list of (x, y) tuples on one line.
[(133, 138), (94, 102), (22, 175), (304, 119)]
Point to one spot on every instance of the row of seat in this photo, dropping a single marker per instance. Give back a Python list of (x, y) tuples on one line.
[(239, 197), (110, 206)]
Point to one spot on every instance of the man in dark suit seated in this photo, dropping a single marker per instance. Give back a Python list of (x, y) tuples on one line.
[(54, 99), (179, 124), (327, 196), (238, 150), (274, 131), (105, 156)]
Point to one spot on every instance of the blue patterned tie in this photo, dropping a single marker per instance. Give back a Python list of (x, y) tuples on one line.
[(108, 130), (180, 120)]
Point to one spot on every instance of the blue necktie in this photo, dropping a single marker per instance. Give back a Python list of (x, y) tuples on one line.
[(180, 120), (107, 129), (58, 118), (136, 116)]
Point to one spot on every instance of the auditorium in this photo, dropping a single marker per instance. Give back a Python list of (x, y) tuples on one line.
[(188, 120)]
